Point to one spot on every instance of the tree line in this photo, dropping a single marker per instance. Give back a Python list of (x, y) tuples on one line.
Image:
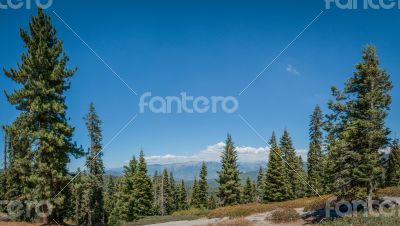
[(345, 154)]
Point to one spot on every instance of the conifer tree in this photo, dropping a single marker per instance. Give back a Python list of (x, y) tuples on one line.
[(95, 170), (315, 155), (77, 191), (364, 107), (229, 185), (142, 189), (156, 192), (43, 78), (203, 186), (212, 202), (195, 200), (393, 167), (173, 197), (277, 186), (165, 206), (109, 197), (248, 192), (293, 168), (182, 197), (121, 209), (260, 185)]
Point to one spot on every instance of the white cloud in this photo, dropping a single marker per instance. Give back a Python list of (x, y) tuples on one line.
[(292, 70), (213, 153)]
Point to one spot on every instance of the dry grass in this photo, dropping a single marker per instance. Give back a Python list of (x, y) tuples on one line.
[(284, 215), (192, 212), (389, 191), (254, 208), (234, 222)]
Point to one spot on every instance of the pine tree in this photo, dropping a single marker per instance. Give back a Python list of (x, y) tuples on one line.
[(77, 191), (212, 202), (229, 185), (124, 209), (248, 192), (156, 192), (109, 197), (393, 167), (95, 170), (121, 209), (194, 200), (142, 189), (203, 186), (260, 185), (293, 168), (44, 78), (173, 197), (128, 190), (165, 206), (182, 197), (315, 155), (277, 186), (364, 107)]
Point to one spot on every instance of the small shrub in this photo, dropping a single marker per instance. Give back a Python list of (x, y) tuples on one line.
[(192, 212), (284, 215)]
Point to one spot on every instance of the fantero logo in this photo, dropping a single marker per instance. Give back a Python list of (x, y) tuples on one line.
[(363, 4), (25, 4)]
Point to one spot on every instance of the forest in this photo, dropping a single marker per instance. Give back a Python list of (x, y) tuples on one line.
[(352, 152)]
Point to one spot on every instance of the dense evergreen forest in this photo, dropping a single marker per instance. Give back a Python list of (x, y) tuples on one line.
[(345, 157)]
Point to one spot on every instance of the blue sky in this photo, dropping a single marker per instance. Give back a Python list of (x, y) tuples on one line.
[(205, 48)]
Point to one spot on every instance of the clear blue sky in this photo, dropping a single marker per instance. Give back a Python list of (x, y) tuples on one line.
[(205, 48)]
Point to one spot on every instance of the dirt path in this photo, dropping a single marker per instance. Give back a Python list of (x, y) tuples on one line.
[(256, 219)]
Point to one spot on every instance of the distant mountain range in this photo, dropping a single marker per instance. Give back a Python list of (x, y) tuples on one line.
[(188, 170)]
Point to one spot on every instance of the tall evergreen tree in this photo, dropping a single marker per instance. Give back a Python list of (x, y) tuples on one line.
[(260, 185), (77, 191), (393, 167), (293, 168), (173, 197), (44, 78), (109, 197), (165, 206), (228, 176), (203, 186), (182, 197), (95, 170), (277, 186), (142, 189), (364, 106), (156, 192), (194, 199), (315, 155)]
